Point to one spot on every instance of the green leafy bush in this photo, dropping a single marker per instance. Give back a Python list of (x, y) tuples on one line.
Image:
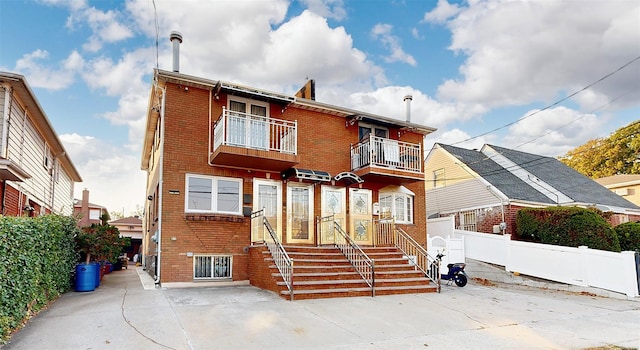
[(566, 226), (629, 235), (37, 260)]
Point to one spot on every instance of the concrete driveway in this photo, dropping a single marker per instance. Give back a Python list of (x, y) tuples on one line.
[(122, 314)]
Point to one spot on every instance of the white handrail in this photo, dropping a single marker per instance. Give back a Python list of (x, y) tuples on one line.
[(255, 131), (384, 152)]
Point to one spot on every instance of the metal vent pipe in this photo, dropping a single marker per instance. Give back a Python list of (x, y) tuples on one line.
[(176, 40)]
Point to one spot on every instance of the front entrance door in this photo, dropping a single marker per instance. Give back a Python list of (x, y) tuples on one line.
[(333, 203), (300, 213), (267, 195), (360, 216)]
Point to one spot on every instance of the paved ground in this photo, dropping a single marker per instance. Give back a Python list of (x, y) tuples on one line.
[(122, 314)]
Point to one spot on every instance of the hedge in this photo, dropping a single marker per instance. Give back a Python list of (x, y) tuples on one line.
[(566, 226), (629, 235), (37, 260)]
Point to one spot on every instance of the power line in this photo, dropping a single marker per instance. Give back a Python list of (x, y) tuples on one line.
[(553, 104)]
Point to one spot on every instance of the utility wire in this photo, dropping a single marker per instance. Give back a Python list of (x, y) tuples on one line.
[(553, 104)]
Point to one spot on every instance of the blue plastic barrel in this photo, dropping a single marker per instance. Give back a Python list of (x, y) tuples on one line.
[(97, 267), (85, 277)]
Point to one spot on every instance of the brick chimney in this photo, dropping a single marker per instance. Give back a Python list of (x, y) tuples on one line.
[(84, 221)]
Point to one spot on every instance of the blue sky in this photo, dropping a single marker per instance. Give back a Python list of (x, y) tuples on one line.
[(472, 67)]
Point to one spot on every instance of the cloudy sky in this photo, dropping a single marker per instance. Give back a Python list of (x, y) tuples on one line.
[(539, 76)]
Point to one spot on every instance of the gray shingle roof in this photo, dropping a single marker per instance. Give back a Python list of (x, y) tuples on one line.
[(503, 180), (568, 181), (550, 170)]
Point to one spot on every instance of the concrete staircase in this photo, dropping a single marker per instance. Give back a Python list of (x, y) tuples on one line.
[(324, 272)]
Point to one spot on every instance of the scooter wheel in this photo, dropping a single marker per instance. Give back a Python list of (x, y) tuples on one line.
[(460, 279)]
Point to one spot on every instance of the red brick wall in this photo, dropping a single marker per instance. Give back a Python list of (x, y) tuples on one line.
[(261, 275), (12, 201), (323, 144)]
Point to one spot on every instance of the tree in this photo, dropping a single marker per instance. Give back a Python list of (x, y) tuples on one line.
[(616, 154)]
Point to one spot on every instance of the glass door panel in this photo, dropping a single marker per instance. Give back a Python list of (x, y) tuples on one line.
[(360, 216), (333, 203), (300, 214), (267, 195)]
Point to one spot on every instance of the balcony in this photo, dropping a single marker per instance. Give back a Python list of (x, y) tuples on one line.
[(254, 142), (385, 160)]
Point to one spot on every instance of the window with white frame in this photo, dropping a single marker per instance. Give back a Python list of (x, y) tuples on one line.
[(212, 266), (208, 194), (398, 204), (438, 178), (468, 220)]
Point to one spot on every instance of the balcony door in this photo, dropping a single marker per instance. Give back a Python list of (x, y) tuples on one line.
[(333, 203), (300, 221), (267, 196), (360, 216), (248, 123)]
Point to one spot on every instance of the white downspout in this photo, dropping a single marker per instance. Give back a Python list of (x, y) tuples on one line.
[(160, 180)]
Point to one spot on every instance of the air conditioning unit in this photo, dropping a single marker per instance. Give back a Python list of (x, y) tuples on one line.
[(621, 191)]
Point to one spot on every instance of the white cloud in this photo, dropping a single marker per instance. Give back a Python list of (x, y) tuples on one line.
[(327, 8), (38, 75), (455, 137), (110, 173), (554, 131), (520, 52), (382, 32), (441, 13)]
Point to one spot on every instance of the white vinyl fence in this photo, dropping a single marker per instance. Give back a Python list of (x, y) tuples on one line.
[(577, 266)]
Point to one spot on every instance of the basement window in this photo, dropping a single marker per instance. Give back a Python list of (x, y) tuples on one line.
[(212, 267)]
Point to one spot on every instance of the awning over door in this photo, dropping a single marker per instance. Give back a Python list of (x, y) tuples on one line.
[(306, 174), (348, 178)]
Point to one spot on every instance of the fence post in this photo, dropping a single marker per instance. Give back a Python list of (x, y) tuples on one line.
[(507, 252), (584, 265), (631, 273)]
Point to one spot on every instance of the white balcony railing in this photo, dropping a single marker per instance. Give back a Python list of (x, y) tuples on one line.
[(256, 132), (383, 152)]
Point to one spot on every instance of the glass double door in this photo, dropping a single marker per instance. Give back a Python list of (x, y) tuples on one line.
[(300, 217), (358, 223)]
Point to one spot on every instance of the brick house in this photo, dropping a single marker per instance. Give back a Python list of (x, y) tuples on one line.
[(215, 152), (36, 174), (86, 212), (130, 227), (485, 188)]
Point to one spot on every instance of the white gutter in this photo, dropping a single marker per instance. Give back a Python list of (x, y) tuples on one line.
[(160, 180)]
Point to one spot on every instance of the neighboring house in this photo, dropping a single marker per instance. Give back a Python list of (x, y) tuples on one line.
[(216, 151), (130, 227), (88, 213), (36, 173), (627, 186), (485, 189)]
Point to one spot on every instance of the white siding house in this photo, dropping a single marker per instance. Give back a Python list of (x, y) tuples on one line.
[(36, 173)]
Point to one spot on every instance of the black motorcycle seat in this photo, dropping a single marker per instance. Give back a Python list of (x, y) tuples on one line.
[(449, 265)]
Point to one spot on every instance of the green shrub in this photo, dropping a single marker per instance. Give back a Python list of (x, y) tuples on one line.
[(629, 235), (566, 226), (37, 259)]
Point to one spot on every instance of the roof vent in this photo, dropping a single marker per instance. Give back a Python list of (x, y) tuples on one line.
[(176, 40)]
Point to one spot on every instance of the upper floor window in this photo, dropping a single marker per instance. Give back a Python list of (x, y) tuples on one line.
[(438, 178), (364, 130), (248, 124), (207, 194)]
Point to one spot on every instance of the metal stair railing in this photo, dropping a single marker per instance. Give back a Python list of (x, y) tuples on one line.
[(280, 257), (358, 258), (388, 233)]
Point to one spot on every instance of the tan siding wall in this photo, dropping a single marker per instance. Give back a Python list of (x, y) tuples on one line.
[(441, 159)]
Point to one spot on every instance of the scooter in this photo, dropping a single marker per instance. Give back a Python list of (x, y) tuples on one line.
[(456, 272)]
